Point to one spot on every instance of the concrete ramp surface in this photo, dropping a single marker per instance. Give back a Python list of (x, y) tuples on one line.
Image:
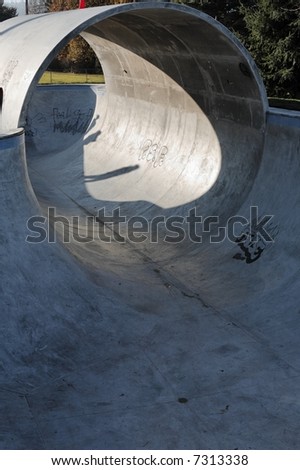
[(149, 259)]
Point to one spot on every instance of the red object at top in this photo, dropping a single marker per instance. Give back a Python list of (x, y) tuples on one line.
[(81, 3)]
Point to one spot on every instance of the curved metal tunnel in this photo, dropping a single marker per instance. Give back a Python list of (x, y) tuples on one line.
[(179, 89), (181, 124)]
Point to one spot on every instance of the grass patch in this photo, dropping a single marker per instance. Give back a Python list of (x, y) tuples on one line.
[(61, 78)]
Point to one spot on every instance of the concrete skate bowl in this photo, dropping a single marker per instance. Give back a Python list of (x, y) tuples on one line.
[(175, 335)]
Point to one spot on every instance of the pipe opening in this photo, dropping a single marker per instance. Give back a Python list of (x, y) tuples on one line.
[(175, 126), (76, 63)]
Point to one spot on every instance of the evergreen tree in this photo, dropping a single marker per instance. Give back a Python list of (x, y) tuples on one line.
[(274, 41), (226, 11)]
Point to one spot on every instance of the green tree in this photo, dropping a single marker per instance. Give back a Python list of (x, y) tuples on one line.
[(77, 55), (274, 41), (7, 12), (226, 11)]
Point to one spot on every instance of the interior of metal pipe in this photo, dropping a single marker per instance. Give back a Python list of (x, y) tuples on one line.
[(179, 123)]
